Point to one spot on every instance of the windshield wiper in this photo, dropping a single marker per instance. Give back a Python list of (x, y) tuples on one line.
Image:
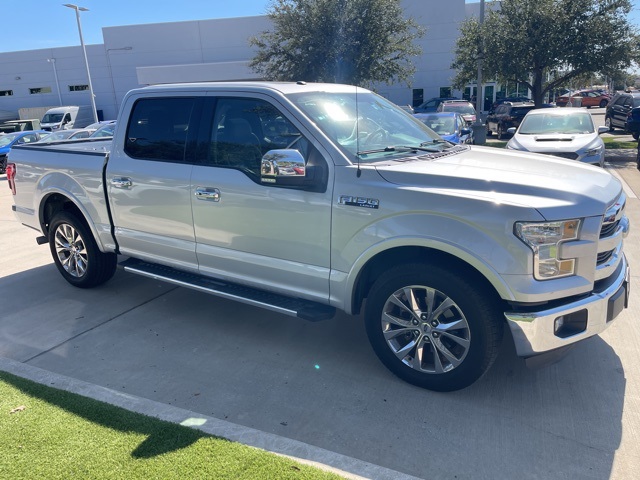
[(403, 148)]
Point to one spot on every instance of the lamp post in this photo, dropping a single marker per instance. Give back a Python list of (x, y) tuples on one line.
[(52, 61), (84, 51)]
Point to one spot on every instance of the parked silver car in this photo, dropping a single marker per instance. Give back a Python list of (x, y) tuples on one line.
[(563, 132)]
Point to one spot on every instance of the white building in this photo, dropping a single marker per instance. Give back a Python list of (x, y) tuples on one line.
[(202, 50)]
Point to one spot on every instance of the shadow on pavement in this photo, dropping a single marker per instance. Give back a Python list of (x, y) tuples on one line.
[(318, 383), (161, 437)]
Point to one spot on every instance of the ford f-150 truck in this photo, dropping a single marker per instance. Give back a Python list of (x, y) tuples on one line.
[(307, 198)]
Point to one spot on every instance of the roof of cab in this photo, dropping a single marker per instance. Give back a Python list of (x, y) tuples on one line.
[(254, 86)]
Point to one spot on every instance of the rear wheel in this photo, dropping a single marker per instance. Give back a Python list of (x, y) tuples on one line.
[(500, 132), (608, 124), (76, 253), (432, 328)]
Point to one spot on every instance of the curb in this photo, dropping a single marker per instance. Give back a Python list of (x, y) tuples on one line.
[(348, 467), (620, 154)]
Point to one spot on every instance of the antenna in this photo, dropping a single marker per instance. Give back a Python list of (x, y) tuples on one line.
[(358, 171)]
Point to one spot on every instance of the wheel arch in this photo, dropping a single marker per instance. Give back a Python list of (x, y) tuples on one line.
[(377, 264), (54, 202)]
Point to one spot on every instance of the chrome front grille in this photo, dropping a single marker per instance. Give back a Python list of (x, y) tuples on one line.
[(611, 224)]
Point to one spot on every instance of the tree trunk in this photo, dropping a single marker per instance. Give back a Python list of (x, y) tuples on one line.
[(537, 88)]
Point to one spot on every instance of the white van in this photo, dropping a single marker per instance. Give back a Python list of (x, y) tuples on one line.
[(64, 118)]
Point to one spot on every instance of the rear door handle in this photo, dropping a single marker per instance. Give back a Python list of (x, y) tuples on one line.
[(208, 193), (121, 182)]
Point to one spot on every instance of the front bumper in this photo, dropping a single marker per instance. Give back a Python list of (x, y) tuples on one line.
[(533, 332)]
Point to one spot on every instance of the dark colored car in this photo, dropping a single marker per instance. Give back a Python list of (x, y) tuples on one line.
[(623, 112), (510, 100), (432, 104), (506, 116)]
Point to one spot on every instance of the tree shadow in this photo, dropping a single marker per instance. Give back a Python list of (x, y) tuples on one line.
[(161, 436)]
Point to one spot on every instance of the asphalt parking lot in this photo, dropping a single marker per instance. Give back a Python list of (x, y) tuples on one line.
[(318, 387)]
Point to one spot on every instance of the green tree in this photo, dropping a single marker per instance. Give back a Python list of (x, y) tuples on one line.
[(356, 42), (546, 43)]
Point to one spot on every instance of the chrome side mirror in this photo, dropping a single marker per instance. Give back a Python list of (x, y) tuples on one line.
[(277, 164)]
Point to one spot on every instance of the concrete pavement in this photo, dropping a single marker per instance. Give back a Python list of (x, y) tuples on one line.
[(316, 390)]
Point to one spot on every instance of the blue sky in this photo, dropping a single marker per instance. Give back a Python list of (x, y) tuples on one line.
[(35, 24)]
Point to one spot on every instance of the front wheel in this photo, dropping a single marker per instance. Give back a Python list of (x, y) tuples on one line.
[(432, 328), (76, 253)]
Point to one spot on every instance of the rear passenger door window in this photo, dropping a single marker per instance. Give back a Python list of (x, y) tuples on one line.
[(158, 129)]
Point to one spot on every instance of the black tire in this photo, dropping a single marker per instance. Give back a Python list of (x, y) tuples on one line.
[(489, 132), (76, 253), (603, 103), (635, 135), (450, 358), (609, 123), (500, 132)]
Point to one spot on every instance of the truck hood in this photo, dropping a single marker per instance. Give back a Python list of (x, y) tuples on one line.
[(555, 187)]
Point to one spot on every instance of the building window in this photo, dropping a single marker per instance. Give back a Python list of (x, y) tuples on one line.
[(445, 92), (78, 88), (6, 93), (418, 97), (35, 91)]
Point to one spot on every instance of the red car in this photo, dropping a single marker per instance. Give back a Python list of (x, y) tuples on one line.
[(584, 98)]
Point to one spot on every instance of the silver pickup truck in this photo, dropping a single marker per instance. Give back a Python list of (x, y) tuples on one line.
[(307, 198)]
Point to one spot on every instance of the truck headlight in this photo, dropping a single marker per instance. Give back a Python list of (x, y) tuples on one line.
[(544, 238)]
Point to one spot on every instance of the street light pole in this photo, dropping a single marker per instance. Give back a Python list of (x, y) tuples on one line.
[(52, 61), (86, 61)]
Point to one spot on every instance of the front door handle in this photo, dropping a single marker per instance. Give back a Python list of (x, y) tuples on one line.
[(208, 193), (121, 182)]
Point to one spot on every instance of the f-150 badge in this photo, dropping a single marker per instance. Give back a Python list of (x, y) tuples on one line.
[(359, 201)]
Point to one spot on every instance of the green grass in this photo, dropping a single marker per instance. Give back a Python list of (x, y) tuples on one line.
[(611, 142), (55, 434)]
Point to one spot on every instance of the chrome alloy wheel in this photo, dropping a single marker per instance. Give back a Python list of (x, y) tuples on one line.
[(425, 329), (71, 250)]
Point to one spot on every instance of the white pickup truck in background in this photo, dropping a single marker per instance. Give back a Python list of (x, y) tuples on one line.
[(307, 198)]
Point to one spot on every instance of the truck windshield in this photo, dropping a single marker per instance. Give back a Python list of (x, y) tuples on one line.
[(368, 127), (52, 118)]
